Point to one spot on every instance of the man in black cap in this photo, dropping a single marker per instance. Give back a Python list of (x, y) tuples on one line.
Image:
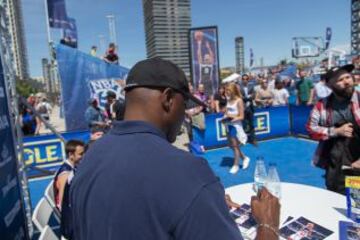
[(133, 184), (334, 122), (115, 108)]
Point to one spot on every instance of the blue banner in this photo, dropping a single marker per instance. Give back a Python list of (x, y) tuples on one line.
[(71, 32), (290, 71), (57, 14), (12, 214), (299, 118), (268, 123), (47, 152), (328, 37), (84, 77), (251, 57)]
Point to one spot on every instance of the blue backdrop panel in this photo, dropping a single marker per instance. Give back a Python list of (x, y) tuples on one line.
[(47, 152), (268, 123), (12, 215), (299, 117), (215, 133), (271, 122), (83, 76)]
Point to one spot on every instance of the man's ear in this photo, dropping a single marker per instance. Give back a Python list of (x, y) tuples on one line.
[(167, 99)]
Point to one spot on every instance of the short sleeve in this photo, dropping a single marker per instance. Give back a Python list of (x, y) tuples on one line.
[(286, 93), (207, 217), (311, 85)]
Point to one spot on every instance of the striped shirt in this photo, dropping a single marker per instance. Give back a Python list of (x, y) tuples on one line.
[(320, 124)]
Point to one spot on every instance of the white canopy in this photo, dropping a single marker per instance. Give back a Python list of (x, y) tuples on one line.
[(233, 77)]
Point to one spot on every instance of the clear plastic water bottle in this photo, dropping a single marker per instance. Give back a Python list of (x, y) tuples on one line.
[(273, 183), (259, 174)]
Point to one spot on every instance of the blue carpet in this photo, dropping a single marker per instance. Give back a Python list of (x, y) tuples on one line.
[(292, 156)]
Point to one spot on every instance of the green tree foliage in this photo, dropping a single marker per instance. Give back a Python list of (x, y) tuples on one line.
[(224, 74), (28, 86)]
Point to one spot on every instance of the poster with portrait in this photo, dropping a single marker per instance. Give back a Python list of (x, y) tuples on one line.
[(204, 55)]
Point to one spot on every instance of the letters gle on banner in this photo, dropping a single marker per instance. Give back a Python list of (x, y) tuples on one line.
[(12, 214), (84, 77), (57, 14), (204, 58)]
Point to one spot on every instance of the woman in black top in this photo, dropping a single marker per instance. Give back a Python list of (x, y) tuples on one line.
[(220, 100)]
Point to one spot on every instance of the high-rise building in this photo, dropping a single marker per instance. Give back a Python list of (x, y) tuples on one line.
[(355, 26), (46, 68), (166, 30), (16, 27), (239, 54)]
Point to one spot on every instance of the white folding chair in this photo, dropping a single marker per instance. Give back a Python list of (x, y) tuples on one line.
[(48, 234), (42, 214), (50, 197), (49, 193)]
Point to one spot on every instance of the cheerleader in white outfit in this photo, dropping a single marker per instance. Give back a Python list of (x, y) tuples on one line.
[(233, 119)]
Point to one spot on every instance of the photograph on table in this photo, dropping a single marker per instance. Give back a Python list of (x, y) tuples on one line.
[(244, 219), (352, 189), (349, 231), (203, 46), (304, 229)]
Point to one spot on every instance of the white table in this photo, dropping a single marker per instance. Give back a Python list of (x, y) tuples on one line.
[(315, 204)]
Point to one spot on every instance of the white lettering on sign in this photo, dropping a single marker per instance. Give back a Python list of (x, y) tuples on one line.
[(2, 94), (20, 234), (5, 156), (11, 183), (4, 123), (99, 89), (9, 218)]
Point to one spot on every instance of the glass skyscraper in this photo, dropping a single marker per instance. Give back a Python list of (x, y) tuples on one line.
[(166, 30)]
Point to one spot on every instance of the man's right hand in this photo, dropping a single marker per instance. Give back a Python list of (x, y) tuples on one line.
[(345, 130), (266, 210)]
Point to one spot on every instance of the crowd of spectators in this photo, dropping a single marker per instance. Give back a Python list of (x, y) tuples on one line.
[(30, 123), (274, 89)]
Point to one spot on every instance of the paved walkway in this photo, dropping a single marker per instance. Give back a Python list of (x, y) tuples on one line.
[(55, 120)]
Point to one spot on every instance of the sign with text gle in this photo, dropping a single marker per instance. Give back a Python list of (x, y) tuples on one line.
[(262, 123), (43, 154)]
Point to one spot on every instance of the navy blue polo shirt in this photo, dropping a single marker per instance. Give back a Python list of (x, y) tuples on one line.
[(133, 184)]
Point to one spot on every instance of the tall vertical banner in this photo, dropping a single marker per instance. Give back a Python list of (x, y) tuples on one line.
[(328, 37), (57, 13), (84, 77), (12, 214), (71, 32), (251, 57), (204, 55)]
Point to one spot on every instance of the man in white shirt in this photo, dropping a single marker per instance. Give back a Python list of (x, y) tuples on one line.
[(321, 90), (280, 94), (271, 84)]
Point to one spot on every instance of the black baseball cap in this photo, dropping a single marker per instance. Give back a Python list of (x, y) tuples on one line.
[(157, 72), (110, 94), (334, 72)]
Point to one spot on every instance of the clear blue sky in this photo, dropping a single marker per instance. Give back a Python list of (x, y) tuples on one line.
[(266, 25)]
